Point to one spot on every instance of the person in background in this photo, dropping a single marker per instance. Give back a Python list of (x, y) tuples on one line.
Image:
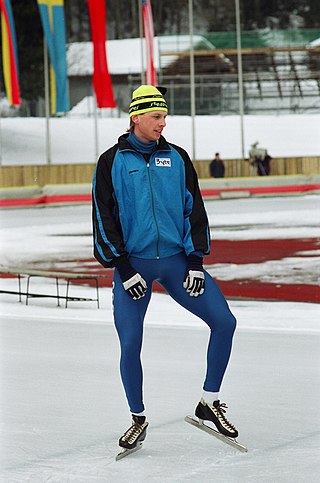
[(264, 168), (260, 159), (150, 223), (217, 168)]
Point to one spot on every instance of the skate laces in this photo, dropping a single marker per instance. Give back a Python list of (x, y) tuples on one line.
[(133, 432), (220, 410)]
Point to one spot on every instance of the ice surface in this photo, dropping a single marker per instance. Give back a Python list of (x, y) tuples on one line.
[(64, 233), (63, 408)]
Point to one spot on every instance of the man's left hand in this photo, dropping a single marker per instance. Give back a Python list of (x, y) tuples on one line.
[(194, 277), (194, 283)]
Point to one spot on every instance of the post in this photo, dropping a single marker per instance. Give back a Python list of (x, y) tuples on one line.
[(0, 142), (240, 76), (141, 41), (95, 119), (192, 85), (47, 101)]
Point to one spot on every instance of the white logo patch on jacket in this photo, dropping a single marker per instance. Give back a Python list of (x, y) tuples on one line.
[(165, 162)]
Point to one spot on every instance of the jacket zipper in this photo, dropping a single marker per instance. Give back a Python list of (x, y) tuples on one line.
[(153, 209)]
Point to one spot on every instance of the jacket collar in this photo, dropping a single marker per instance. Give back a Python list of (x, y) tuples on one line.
[(124, 145)]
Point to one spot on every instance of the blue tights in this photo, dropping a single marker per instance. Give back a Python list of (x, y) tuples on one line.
[(129, 316)]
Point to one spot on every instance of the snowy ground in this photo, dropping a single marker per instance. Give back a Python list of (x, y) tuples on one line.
[(63, 407), (64, 234), (23, 140)]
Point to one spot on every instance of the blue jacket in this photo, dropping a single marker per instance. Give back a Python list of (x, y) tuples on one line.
[(147, 206)]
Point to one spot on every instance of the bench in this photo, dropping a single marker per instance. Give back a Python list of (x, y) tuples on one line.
[(67, 276)]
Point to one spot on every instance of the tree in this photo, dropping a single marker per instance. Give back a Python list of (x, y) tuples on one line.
[(30, 48)]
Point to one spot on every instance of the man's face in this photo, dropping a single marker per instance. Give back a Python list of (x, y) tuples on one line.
[(149, 126)]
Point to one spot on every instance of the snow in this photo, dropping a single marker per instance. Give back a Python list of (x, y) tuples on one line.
[(73, 138), (315, 43), (278, 221), (124, 55), (63, 407)]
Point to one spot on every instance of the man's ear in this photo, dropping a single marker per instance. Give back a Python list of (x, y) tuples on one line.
[(135, 118)]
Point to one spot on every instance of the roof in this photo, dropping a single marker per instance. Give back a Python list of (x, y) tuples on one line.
[(124, 56), (264, 38)]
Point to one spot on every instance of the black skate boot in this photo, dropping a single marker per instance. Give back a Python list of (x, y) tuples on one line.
[(216, 414), (135, 434)]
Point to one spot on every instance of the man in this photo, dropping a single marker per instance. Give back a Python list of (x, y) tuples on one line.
[(260, 159), (217, 167), (150, 224)]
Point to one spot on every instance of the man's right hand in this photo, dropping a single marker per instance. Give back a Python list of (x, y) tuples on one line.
[(136, 286), (132, 281)]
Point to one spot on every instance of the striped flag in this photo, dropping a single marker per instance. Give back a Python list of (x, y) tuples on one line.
[(53, 24), (151, 75), (9, 54), (102, 83)]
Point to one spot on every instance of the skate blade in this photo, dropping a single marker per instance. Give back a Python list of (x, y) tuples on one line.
[(225, 439), (126, 452)]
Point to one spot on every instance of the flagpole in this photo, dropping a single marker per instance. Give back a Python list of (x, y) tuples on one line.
[(47, 101), (141, 41), (192, 84), (240, 76), (0, 141), (95, 119)]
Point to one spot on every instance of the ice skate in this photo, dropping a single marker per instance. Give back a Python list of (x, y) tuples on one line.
[(132, 439), (216, 414)]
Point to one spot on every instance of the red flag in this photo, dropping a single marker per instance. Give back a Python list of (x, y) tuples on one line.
[(101, 78), (151, 75), (9, 54)]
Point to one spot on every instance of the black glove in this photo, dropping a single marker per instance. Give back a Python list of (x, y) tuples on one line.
[(132, 281), (194, 276)]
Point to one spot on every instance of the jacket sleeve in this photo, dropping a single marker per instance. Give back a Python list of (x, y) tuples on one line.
[(200, 232), (107, 234)]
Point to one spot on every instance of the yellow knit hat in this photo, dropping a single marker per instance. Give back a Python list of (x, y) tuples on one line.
[(147, 99)]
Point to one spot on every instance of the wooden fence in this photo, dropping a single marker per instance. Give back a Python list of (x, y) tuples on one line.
[(41, 175), (235, 168)]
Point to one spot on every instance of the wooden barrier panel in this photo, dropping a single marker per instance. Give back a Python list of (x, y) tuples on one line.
[(235, 168), (41, 175)]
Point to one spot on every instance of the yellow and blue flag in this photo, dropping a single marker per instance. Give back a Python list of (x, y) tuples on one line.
[(9, 54), (53, 24)]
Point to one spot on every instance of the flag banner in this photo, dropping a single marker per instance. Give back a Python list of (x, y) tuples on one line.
[(53, 24), (9, 54), (102, 83), (151, 75)]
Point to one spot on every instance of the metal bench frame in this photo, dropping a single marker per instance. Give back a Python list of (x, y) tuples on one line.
[(68, 276)]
